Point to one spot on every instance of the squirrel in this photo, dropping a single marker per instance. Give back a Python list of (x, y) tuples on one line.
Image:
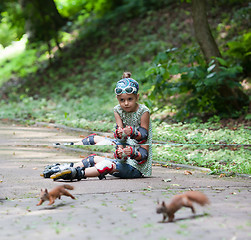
[(182, 200), (55, 193)]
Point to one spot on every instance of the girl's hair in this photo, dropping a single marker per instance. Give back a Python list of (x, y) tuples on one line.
[(126, 75)]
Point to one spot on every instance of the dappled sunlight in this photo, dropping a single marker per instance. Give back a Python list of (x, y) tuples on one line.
[(14, 49)]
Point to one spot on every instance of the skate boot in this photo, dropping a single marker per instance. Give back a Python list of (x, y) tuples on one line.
[(70, 174), (54, 168)]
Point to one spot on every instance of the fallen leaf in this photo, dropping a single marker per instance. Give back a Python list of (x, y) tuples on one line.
[(156, 164), (186, 172), (178, 168), (35, 168), (222, 175), (167, 180)]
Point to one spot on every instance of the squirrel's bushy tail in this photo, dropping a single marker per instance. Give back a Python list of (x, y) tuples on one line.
[(67, 186), (197, 197)]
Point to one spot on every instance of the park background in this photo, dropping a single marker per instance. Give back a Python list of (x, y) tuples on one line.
[(60, 61)]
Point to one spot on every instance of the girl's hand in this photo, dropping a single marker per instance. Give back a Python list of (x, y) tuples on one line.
[(119, 152), (128, 151), (128, 130), (119, 132)]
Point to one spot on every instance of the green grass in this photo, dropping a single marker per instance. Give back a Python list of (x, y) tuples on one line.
[(218, 159)]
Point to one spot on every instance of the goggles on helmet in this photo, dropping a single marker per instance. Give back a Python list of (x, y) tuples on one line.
[(128, 89), (127, 85)]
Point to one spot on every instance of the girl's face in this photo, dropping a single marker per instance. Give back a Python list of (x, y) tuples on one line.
[(128, 102)]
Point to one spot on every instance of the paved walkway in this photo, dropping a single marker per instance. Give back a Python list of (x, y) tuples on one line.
[(111, 208)]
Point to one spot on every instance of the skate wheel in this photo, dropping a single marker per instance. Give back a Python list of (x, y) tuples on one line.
[(60, 174)]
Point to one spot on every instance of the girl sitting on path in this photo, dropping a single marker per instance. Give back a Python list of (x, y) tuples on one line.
[(133, 140)]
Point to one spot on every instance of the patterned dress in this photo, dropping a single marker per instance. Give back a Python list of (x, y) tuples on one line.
[(134, 119)]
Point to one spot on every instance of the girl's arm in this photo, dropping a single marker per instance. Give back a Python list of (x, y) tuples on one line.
[(145, 120), (119, 123), (144, 123), (118, 120), (136, 153)]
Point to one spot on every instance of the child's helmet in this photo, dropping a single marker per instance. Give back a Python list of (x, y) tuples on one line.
[(127, 85)]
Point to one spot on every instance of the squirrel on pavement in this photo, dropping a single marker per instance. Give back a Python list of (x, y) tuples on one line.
[(55, 193), (182, 200)]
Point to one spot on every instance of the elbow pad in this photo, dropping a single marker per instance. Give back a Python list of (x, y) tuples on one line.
[(135, 133), (144, 135), (135, 153), (144, 155)]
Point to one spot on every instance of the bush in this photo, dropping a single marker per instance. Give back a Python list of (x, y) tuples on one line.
[(190, 85)]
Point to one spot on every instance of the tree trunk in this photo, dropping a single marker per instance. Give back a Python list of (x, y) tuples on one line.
[(231, 98), (42, 19), (202, 31)]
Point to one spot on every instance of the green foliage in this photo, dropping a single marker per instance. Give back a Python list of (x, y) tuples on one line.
[(20, 65), (118, 11), (6, 39), (192, 82), (240, 50), (12, 24), (101, 7), (69, 8)]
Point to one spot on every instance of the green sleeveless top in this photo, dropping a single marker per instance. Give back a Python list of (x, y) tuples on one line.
[(134, 119)]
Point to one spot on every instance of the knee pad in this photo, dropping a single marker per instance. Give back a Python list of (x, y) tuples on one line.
[(89, 140), (104, 167), (89, 161)]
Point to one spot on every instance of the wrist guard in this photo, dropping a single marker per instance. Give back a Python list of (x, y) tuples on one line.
[(134, 152), (134, 132), (123, 157), (121, 139)]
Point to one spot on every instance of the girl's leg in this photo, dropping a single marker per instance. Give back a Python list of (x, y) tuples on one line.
[(90, 140), (56, 169), (124, 170), (89, 161), (101, 168), (94, 172)]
